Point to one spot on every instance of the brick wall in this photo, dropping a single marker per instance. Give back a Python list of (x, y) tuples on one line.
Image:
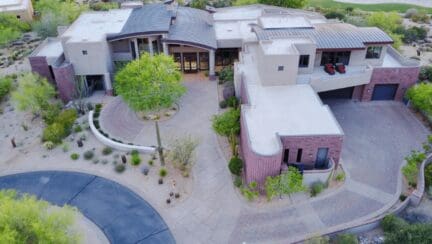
[(40, 65), (310, 145), (404, 76), (65, 79)]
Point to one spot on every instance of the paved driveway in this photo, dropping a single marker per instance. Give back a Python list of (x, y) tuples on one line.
[(122, 215), (378, 135)]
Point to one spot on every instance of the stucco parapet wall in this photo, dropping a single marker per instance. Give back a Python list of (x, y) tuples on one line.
[(405, 62), (116, 145)]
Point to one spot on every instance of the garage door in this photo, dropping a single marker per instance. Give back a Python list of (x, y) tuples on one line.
[(384, 92), (345, 93)]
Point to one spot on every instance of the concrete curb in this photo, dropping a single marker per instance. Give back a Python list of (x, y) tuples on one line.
[(119, 146)]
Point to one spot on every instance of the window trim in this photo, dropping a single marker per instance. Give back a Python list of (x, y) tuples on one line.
[(380, 48), (304, 59)]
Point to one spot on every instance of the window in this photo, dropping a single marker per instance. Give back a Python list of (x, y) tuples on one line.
[(373, 52), (84, 52), (286, 155), (280, 68), (203, 61), (304, 61), (18, 16), (299, 155), (335, 57)]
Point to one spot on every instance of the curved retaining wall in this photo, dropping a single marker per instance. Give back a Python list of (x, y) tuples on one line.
[(116, 145), (417, 195)]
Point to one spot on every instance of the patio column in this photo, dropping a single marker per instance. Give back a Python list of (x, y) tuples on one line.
[(165, 48), (150, 44), (136, 48), (212, 74)]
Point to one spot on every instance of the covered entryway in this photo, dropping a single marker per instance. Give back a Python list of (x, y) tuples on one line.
[(384, 92), (190, 62), (344, 93)]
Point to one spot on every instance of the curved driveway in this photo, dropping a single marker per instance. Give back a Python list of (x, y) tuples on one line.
[(122, 215)]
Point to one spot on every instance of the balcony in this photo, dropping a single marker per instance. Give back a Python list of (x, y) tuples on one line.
[(321, 81)]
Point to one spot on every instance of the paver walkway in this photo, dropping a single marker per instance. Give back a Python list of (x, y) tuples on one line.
[(122, 215), (373, 152)]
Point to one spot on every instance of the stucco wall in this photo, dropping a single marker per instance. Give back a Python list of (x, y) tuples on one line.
[(65, 79), (404, 76), (40, 65)]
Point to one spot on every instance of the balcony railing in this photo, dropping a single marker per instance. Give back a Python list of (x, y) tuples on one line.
[(322, 81)]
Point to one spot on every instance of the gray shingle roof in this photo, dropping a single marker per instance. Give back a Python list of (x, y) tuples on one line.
[(330, 35), (193, 26), (151, 18)]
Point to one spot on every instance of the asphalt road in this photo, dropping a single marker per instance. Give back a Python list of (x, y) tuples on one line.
[(122, 215)]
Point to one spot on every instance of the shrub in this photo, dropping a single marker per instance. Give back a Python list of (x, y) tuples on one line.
[(5, 86), (226, 74), (77, 129), (232, 102), (223, 104), (235, 165), (317, 188), (392, 223), (420, 18), (425, 73), (54, 133), (136, 160), (88, 155), (95, 161), (107, 151), (119, 168), (428, 175), (65, 147), (410, 12), (145, 170), (238, 181), (345, 239), (333, 14), (227, 123), (340, 176), (103, 6), (150, 162), (104, 161), (410, 170), (402, 197), (74, 156), (250, 192), (287, 183), (98, 107), (49, 145), (51, 112), (67, 118), (163, 172), (182, 153)]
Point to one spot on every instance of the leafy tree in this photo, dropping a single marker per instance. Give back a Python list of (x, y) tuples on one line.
[(388, 22), (66, 8), (227, 123), (33, 93), (150, 82), (286, 183), (24, 219), (421, 97), (286, 3), (182, 153)]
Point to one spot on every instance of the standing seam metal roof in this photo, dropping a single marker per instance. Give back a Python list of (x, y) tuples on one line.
[(330, 35), (193, 26)]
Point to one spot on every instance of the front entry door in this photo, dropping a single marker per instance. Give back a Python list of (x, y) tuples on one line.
[(321, 158), (190, 64)]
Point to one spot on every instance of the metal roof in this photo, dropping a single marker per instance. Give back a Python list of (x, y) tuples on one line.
[(330, 35), (148, 19), (194, 27)]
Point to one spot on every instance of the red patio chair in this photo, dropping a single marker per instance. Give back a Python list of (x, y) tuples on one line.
[(329, 68), (340, 67)]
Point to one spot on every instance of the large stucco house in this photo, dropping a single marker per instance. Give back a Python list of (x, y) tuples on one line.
[(278, 56), (22, 9)]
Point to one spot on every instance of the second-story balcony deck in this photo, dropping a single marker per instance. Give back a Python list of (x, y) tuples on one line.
[(322, 81)]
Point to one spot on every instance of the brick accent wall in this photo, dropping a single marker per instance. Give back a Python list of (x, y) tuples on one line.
[(404, 76), (65, 79), (310, 146), (40, 65), (358, 93)]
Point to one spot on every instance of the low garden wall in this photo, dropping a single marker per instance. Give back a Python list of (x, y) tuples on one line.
[(315, 175), (418, 193), (116, 145)]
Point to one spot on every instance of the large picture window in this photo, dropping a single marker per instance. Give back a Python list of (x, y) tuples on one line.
[(373, 52), (304, 61)]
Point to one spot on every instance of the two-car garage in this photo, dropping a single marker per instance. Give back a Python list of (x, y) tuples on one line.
[(380, 92)]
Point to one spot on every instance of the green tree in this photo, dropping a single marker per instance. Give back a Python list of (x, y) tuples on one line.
[(387, 22), (421, 97), (33, 93), (66, 8), (286, 183), (199, 4), (24, 219), (286, 3), (150, 83)]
